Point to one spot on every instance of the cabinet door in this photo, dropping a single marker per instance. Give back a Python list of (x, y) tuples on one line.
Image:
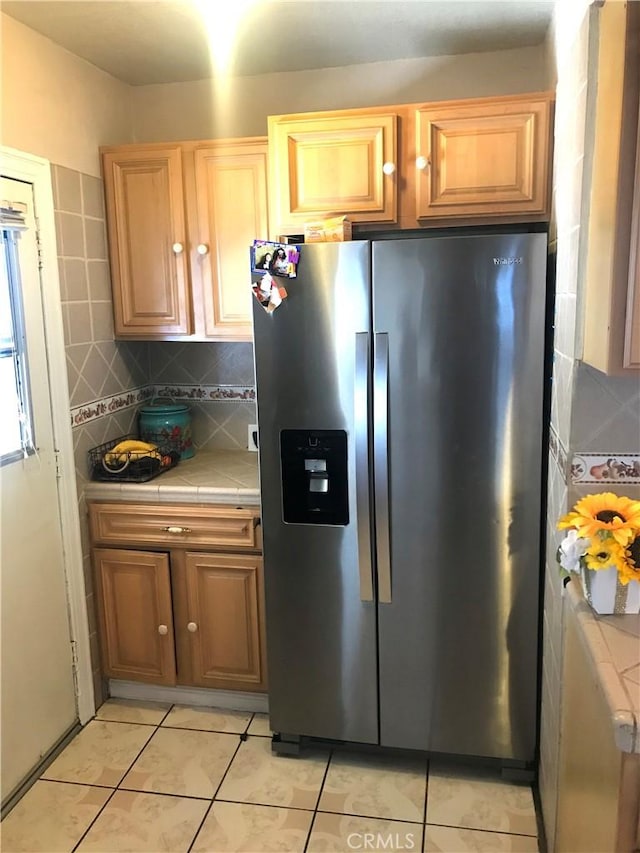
[(632, 329), (326, 164), (134, 610), (224, 620), (610, 290), (231, 200), (483, 159), (146, 225), (632, 325), (598, 784)]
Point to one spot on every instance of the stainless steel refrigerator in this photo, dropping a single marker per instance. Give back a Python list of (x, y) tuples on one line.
[(400, 405)]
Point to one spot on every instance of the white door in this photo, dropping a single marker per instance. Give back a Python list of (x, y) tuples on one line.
[(38, 704)]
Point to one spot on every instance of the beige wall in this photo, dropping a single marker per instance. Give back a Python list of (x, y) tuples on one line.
[(60, 107), (172, 111), (56, 105)]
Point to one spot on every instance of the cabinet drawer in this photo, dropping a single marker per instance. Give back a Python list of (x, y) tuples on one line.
[(175, 526)]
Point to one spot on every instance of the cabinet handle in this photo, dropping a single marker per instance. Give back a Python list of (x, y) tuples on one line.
[(192, 626), (176, 530), (202, 249), (162, 629), (422, 163), (177, 248), (389, 168)]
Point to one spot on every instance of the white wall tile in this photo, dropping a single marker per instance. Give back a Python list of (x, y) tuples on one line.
[(565, 324)]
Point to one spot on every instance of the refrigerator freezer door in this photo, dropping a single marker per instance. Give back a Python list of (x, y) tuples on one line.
[(458, 641), (312, 374)]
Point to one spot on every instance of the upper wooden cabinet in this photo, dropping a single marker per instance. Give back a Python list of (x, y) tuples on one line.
[(611, 341), (329, 163), (146, 223), (181, 219), (413, 165), (231, 211), (483, 158), (631, 355)]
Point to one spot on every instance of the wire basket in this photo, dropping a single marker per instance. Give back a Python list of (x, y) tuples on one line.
[(130, 466)]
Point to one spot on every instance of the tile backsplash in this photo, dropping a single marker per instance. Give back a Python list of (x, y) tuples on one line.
[(218, 382), (201, 363)]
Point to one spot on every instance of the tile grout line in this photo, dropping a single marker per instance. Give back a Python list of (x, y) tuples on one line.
[(213, 799), (368, 816), (319, 797), (483, 829), (117, 788), (241, 739), (424, 811)]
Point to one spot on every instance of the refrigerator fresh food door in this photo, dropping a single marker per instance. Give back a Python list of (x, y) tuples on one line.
[(458, 412), (313, 377)]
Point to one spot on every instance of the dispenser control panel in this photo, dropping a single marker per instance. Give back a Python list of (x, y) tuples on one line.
[(314, 476)]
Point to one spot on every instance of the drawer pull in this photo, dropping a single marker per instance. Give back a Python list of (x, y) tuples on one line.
[(162, 629), (191, 626), (176, 530)]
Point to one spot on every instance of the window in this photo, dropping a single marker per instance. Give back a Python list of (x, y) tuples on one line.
[(16, 434)]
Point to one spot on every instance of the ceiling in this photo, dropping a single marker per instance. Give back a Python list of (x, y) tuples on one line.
[(164, 41)]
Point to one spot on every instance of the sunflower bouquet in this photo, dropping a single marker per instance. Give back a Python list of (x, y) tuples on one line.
[(602, 545)]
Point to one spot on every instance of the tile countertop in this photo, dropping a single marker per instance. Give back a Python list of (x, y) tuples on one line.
[(613, 646), (222, 476)]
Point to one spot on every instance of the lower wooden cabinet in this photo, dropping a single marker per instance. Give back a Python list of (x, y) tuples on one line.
[(176, 615), (598, 806), (219, 623), (135, 615)]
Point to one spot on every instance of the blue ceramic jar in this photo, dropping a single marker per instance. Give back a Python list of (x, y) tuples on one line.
[(163, 421)]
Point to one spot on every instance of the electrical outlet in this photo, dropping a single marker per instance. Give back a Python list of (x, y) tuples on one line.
[(252, 437)]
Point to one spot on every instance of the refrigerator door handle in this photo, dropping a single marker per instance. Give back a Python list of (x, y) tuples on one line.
[(381, 462), (361, 419)]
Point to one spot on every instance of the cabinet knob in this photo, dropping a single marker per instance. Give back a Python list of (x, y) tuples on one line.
[(421, 163), (162, 629), (389, 168), (177, 248), (202, 249), (192, 626), (176, 530)]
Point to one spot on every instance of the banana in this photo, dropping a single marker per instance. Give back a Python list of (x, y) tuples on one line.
[(132, 444), (121, 453)]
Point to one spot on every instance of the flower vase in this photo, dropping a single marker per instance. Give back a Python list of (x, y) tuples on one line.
[(606, 595)]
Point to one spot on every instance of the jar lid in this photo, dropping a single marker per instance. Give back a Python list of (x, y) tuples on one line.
[(163, 406)]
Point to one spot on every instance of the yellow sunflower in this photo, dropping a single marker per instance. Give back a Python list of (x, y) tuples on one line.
[(619, 516), (605, 553), (630, 568)]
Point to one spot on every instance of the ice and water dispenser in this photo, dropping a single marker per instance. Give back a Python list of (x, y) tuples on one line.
[(314, 476)]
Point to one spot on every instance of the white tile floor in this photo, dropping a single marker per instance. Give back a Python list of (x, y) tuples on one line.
[(163, 779)]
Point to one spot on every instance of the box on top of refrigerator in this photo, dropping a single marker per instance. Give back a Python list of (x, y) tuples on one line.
[(335, 230)]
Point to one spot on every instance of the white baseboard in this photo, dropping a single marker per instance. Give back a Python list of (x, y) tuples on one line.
[(231, 700)]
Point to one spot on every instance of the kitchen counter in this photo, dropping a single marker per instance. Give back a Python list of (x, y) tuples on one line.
[(221, 476), (612, 644)]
